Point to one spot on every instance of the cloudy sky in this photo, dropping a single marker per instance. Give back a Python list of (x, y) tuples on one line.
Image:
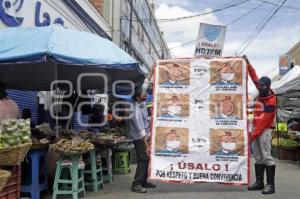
[(281, 33)]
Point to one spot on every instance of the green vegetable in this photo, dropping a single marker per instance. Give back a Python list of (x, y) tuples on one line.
[(15, 132), (285, 142)]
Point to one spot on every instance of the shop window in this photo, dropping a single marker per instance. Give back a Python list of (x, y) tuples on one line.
[(142, 36), (292, 64)]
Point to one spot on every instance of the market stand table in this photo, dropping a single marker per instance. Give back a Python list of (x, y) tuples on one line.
[(105, 146)]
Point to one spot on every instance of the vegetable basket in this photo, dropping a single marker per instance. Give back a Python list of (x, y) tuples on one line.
[(68, 148), (14, 154), (4, 175)]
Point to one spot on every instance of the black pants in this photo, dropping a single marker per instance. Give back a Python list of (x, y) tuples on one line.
[(141, 173)]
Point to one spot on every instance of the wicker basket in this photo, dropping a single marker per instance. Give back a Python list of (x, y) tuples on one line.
[(4, 175), (39, 146), (71, 152), (14, 155)]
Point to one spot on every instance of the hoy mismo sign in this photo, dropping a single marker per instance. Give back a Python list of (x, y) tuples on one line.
[(210, 41)]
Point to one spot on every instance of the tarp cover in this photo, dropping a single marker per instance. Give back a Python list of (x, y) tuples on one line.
[(290, 82), (31, 58)]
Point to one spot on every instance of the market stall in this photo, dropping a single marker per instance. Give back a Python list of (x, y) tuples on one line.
[(33, 58), (286, 137)]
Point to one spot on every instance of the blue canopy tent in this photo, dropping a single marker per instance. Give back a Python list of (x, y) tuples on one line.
[(31, 58)]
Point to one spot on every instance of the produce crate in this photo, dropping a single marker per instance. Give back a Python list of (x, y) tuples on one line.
[(299, 154), (288, 154), (4, 175), (13, 186), (274, 151)]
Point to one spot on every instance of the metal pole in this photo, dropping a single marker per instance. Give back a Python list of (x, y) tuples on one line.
[(56, 78), (73, 110), (277, 133), (130, 27)]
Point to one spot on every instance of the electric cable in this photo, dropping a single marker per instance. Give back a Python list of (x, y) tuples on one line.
[(285, 6), (204, 13), (229, 24), (260, 28)]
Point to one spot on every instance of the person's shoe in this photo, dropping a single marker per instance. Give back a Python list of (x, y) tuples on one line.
[(138, 189), (270, 188), (259, 173), (149, 185)]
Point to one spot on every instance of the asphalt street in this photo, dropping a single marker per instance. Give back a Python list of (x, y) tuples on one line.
[(287, 187)]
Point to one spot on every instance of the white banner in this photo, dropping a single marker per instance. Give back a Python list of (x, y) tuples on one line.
[(210, 41), (199, 128)]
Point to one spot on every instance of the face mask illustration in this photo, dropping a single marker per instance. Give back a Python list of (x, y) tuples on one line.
[(230, 146), (174, 110), (174, 145), (228, 76)]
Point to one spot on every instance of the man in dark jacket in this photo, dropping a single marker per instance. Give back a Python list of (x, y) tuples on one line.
[(261, 135)]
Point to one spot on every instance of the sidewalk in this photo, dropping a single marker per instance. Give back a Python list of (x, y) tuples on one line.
[(287, 187)]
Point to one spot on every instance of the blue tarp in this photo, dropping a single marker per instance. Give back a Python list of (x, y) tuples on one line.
[(61, 44), (31, 58)]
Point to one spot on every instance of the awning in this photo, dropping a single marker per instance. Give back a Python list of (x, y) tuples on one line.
[(31, 58)]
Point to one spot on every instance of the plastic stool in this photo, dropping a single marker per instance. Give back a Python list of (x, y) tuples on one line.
[(106, 154), (121, 162), (93, 172), (36, 186), (76, 168)]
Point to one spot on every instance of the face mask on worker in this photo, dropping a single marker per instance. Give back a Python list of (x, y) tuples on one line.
[(229, 146), (264, 92), (174, 110), (174, 145), (228, 76), (264, 85)]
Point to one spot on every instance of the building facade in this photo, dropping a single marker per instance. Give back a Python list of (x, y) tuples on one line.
[(294, 54), (135, 29), (73, 14), (289, 59)]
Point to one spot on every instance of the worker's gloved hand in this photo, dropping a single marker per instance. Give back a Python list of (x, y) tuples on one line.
[(250, 137), (246, 59)]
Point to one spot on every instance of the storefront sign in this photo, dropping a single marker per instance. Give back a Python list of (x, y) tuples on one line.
[(284, 64), (199, 128), (12, 13), (210, 41)]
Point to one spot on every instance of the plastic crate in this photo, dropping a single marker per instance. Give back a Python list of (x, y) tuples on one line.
[(288, 154), (13, 186), (274, 152)]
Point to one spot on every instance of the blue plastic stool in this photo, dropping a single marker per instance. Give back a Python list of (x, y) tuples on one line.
[(35, 188), (93, 172)]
